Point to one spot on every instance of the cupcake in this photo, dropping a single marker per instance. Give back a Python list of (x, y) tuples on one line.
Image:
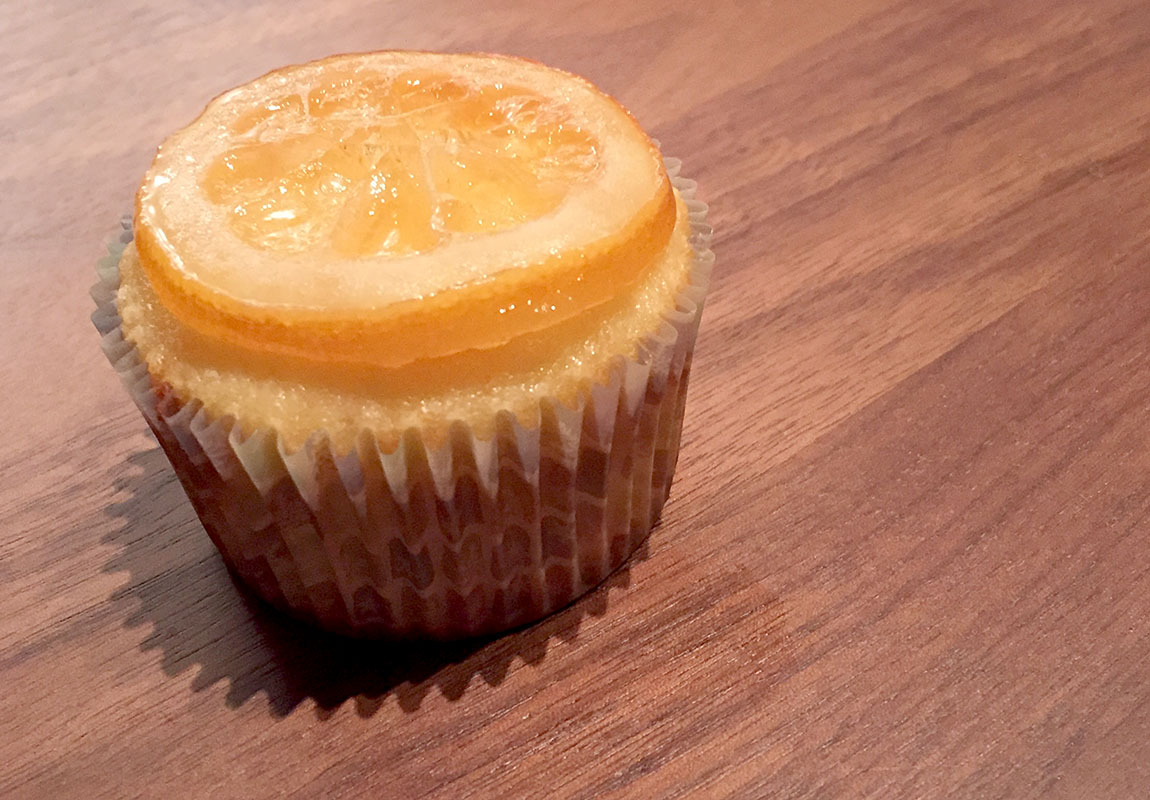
[(414, 331)]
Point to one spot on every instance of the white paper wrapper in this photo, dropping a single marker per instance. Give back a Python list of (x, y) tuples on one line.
[(470, 537)]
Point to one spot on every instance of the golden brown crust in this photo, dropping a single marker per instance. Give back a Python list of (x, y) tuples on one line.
[(296, 397)]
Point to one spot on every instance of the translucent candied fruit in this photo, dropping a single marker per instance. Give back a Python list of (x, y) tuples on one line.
[(370, 165)]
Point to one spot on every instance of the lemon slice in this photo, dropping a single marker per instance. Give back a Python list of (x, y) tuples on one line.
[(387, 207)]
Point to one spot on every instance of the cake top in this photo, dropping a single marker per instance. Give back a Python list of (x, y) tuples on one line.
[(385, 207)]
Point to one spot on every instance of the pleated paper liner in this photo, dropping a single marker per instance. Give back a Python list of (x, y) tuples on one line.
[(468, 537)]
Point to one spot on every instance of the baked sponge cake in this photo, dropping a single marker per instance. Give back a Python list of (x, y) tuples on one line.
[(414, 330)]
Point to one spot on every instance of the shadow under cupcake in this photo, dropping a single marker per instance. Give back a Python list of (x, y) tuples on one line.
[(179, 587)]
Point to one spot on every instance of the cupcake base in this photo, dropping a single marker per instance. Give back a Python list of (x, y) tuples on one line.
[(469, 537)]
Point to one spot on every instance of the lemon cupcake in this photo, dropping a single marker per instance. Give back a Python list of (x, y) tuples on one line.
[(414, 330)]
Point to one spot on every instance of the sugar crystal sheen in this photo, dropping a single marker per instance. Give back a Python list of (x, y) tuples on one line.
[(370, 165)]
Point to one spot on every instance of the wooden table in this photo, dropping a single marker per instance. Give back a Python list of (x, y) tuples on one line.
[(907, 553)]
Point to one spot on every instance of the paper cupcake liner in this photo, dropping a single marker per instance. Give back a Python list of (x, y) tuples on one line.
[(468, 537)]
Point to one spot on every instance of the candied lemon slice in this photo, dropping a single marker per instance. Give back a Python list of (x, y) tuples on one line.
[(386, 207)]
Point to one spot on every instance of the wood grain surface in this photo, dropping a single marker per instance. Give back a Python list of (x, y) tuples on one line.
[(906, 554)]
